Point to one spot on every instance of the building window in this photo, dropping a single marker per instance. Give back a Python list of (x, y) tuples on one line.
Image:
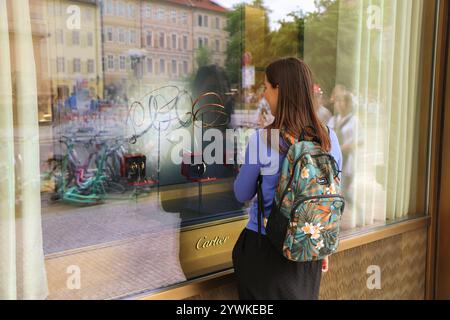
[(162, 37), (217, 45), (174, 16), (217, 23), (200, 42), (122, 62), (200, 21), (148, 11), (51, 10), (60, 65), (206, 42), (121, 35), (58, 9), (75, 37), (148, 39), (110, 7), (122, 9), (90, 66), (205, 21), (174, 41), (110, 62), (115, 8), (133, 36), (174, 66), (149, 65), (131, 10), (76, 65), (162, 66), (90, 39), (184, 18), (185, 42), (59, 37), (109, 34), (160, 14), (185, 67), (88, 15)]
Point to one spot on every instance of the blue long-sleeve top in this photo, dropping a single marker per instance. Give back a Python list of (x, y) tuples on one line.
[(246, 182)]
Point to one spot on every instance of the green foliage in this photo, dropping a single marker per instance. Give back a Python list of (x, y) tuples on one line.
[(312, 36), (203, 56), (234, 49)]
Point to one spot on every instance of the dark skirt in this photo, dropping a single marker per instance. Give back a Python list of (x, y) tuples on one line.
[(264, 274)]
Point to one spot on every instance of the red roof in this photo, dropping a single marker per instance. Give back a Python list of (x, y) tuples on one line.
[(201, 4), (207, 5), (181, 2)]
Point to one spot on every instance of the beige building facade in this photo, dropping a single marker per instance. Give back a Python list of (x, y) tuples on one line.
[(167, 41), (209, 23), (73, 46), (121, 27)]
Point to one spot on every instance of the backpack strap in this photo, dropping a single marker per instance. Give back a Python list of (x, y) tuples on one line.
[(260, 207)]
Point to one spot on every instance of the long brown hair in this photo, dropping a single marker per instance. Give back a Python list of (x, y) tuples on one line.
[(296, 106)]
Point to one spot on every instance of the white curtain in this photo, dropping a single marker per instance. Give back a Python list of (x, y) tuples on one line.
[(382, 40), (22, 269)]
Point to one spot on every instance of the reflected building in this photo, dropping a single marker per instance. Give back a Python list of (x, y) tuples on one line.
[(122, 54), (74, 47), (147, 43), (209, 29), (167, 40)]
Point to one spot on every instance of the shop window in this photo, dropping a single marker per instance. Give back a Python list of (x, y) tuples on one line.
[(121, 188)]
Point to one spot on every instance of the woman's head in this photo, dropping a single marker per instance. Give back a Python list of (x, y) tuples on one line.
[(290, 94)]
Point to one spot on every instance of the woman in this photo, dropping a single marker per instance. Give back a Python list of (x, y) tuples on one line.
[(345, 123), (262, 272)]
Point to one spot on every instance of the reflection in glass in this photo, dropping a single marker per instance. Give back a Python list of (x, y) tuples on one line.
[(117, 79)]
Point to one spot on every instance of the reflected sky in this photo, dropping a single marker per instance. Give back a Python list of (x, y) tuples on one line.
[(279, 8)]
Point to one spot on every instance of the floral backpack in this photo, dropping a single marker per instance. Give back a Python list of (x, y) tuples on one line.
[(304, 222)]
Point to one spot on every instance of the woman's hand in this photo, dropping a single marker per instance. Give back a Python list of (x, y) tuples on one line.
[(325, 264)]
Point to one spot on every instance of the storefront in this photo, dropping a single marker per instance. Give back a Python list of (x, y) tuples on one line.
[(110, 107)]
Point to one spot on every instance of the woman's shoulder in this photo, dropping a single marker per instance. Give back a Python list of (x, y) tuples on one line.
[(333, 137)]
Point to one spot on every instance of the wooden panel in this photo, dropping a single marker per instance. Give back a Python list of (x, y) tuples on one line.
[(401, 259), (436, 144), (443, 246)]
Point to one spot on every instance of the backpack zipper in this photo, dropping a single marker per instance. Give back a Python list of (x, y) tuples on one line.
[(322, 196)]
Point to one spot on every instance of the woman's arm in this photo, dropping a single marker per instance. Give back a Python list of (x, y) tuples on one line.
[(245, 183), (336, 151)]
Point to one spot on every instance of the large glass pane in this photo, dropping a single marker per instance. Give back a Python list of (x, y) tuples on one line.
[(365, 56), (131, 95)]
